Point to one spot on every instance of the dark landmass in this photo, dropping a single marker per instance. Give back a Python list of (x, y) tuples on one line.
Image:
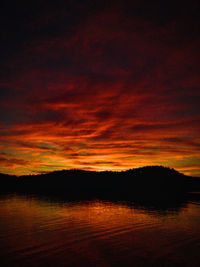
[(154, 182)]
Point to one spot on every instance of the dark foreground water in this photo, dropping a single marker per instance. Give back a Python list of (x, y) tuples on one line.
[(41, 232)]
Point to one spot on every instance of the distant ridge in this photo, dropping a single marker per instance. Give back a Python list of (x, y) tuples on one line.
[(146, 181), (154, 168)]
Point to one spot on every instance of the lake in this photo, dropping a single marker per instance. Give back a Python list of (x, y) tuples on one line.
[(38, 231)]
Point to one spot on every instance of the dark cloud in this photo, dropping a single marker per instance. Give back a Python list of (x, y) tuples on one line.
[(10, 162)]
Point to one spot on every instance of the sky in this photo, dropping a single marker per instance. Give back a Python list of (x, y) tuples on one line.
[(99, 85)]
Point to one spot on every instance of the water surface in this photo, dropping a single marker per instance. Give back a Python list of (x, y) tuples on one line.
[(42, 232)]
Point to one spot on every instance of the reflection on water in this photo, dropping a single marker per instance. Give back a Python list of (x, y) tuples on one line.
[(40, 232)]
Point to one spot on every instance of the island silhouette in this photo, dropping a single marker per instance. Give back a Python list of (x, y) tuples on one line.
[(151, 182)]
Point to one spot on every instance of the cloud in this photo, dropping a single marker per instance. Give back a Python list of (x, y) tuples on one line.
[(119, 83), (11, 162)]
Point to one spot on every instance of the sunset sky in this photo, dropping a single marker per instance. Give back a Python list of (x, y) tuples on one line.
[(99, 85)]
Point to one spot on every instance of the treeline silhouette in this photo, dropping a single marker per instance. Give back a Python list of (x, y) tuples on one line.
[(145, 182)]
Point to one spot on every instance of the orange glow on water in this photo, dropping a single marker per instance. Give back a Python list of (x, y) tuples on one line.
[(100, 232)]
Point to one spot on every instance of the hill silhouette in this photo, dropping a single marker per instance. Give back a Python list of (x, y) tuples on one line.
[(151, 181)]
